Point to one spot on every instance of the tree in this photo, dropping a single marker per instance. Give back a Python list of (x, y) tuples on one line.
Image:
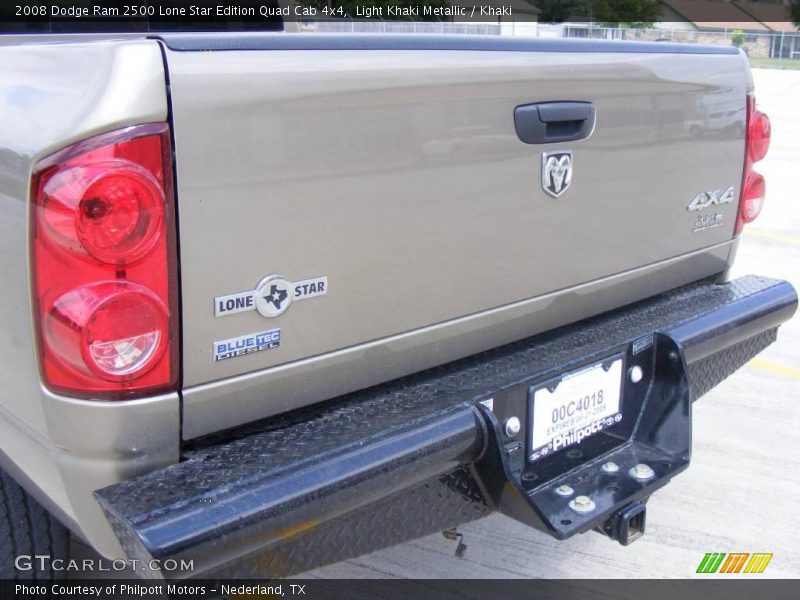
[(737, 38), (558, 11), (794, 11), (635, 13)]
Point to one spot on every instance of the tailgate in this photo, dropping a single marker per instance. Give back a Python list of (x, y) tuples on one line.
[(391, 184)]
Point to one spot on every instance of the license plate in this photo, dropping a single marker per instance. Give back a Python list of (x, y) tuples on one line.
[(576, 406)]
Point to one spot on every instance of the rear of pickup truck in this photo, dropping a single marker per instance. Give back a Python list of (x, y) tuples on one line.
[(283, 299)]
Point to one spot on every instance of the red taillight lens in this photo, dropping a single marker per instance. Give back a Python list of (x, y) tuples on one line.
[(113, 329), (753, 194), (758, 133), (104, 265), (114, 210)]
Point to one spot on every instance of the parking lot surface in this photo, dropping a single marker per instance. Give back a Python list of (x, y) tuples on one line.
[(742, 490)]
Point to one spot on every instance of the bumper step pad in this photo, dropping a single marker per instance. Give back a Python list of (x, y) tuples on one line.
[(421, 454)]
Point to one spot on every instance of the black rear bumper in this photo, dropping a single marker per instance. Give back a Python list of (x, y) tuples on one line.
[(425, 453)]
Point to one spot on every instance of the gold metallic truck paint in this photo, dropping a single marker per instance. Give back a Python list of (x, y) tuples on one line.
[(398, 174), (60, 449)]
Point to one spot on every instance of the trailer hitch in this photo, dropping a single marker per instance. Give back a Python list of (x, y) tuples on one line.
[(601, 482), (600, 477), (626, 525)]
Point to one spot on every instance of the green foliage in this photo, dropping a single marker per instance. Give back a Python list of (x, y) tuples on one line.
[(794, 11), (557, 11), (773, 63), (349, 7), (633, 13), (737, 38)]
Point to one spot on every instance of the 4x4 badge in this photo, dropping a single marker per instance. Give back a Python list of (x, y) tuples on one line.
[(556, 172), (712, 198), (272, 297)]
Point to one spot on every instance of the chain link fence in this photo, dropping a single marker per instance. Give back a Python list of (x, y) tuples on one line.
[(766, 44), (429, 27), (781, 45)]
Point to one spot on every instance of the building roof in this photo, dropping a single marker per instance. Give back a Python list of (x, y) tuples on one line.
[(774, 16), (715, 14)]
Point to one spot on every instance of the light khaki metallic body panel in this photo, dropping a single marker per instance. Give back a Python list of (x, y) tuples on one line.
[(255, 395), (59, 448), (399, 175), (399, 192)]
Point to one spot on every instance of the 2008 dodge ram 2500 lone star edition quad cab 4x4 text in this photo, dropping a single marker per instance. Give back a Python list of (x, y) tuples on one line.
[(272, 300)]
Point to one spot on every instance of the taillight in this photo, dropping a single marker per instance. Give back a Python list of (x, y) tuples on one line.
[(104, 265), (757, 136)]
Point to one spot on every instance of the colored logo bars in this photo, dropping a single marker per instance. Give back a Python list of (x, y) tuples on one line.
[(736, 562)]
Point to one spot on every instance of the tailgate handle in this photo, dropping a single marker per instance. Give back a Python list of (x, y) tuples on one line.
[(551, 122)]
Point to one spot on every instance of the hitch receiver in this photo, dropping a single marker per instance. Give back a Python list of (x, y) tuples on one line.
[(627, 525)]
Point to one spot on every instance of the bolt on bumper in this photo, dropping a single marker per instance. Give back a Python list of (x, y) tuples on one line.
[(426, 453)]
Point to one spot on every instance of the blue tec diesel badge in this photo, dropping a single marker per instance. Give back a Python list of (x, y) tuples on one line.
[(247, 344)]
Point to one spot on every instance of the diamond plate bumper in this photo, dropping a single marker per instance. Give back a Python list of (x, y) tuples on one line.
[(421, 454)]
